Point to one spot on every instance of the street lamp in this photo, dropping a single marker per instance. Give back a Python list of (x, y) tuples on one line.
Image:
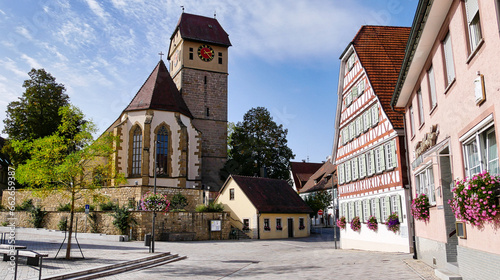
[(152, 248)]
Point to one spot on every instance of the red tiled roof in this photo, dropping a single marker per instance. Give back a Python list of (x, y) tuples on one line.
[(301, 171), (381, 50), (271, 195), (159, 92), (323, 179), (200, 28)]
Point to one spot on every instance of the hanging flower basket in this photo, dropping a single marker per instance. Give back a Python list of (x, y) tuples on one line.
[(420, 208), (341, 222), (475, 199), (355, 224), (393, 222), (372, 223), (155, 202)]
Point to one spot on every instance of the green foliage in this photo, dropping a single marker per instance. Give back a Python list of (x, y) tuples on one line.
[(211, 207), (35, 113), (63, 224), (82, 208), (37, 215), (318, 200), (108, 206), (64, 207), (178, 202), (258, 142), (123, 219), (94, 226), (26, 205), (4, 224)]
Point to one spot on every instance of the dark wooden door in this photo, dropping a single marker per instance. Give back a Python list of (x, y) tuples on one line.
[(290, 227)]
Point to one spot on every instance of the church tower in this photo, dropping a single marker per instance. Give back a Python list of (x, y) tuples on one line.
[(198, 55)]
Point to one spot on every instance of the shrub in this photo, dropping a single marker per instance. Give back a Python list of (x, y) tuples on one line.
[(123, 219), (63, 224), (107, 206), (341, 223), (211, 207), (94, 226), (372, 223), (4, 224), (26, 205), (475, 199), (355, 224), (82, 208), (178, 202), (37, 215), (64, 207), (420, 208), (393, 222)]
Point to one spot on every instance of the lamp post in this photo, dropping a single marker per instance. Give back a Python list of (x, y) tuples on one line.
[(152, 248)]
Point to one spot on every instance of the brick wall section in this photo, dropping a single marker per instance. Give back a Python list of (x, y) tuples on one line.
[(172, 222), (120, 195), (474, 264)]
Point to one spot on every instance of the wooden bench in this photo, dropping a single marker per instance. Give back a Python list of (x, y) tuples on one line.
[(32, 256)]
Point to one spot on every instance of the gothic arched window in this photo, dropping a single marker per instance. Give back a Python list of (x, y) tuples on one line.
[(162, 151), (136, 151)]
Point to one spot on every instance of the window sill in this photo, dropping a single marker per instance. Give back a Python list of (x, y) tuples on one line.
[(421, 126), (432, 110), (449, 86), (473, 54)]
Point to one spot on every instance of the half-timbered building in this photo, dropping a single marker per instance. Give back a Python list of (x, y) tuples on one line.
[(368, 147)]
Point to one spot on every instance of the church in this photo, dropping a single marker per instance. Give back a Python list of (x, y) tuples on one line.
[(176, 124)]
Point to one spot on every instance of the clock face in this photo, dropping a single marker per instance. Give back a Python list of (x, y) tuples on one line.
[(206, 53)]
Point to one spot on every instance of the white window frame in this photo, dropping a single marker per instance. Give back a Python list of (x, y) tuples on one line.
[(362, 165), (367, 119), (341, 175), (375, 207), (424, 181), (361, 87), (354, 168), (396, 206), (482, 142), (370, 162), (420, 103), (432, 87), (351, 131), (347, 166), (473, 23), (390, 155), (359, 126), (366, 210), (350, 62), (412, 121), (384, 208), (379, 159), (375, 114), (449, 61)]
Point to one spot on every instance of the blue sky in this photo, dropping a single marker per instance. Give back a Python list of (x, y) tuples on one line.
[(285, 54)]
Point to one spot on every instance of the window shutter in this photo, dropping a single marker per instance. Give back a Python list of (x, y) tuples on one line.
[(394, 155), (347, 167), (471, 8), (359, 125), (354, 93), (377, 210), (400, 210), (387, 203), (346, 214), (361, 87), (360, 210), (362, 166), (375, 114), (382, 158)]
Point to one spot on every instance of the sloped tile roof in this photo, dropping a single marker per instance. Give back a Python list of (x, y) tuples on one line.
[(301, 171), (159, 92), (200, 28), (271, 195), (381, 50), (323, 179)]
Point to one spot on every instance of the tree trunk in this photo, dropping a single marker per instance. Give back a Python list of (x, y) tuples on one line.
[(71, 216)]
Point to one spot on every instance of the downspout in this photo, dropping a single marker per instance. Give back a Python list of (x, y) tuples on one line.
[(258, 225), (408, 175)]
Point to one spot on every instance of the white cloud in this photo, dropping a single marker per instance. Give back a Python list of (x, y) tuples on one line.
[(11, 66), (76, 34), (24, 31), (97, 9), (31, 61)]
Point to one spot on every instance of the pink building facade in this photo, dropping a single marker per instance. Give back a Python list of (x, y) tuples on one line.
[(449, 87)]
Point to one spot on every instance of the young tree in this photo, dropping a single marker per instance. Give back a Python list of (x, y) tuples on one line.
[(256, 144), (318, 200), (60, 163), (35, 114)]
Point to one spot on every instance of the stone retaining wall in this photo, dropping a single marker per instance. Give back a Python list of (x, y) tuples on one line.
[(171, 222)]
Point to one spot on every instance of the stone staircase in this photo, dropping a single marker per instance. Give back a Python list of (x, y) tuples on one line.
[(237, 233), (107, 270), (450, 272)]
